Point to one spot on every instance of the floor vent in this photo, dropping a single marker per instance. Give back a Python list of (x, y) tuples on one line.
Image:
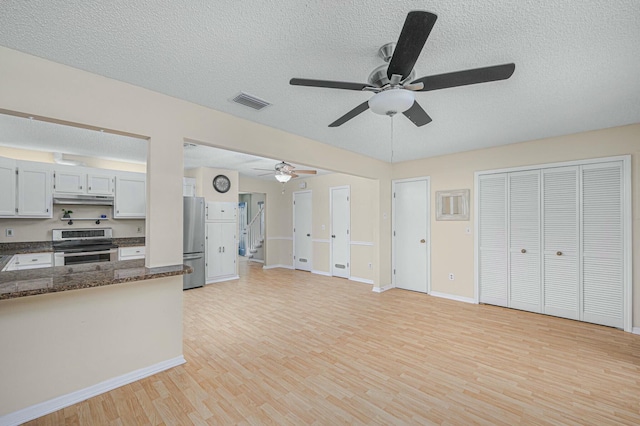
[(250, 101)]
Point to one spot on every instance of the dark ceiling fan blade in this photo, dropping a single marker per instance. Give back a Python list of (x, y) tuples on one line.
[(306, 172), (348, 116), (417, 115), (412, 38), (466, 77), (328, 84)]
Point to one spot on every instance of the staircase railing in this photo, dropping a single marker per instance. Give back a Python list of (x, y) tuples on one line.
[(254, 233)]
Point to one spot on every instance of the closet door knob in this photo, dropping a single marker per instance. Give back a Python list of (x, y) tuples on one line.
[(559, 253), (523, 251)]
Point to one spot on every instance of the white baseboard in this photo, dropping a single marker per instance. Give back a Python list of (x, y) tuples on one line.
[(55, 404), (219, 280), (256, 260), (326, 274), (277, 266), (361, 280), (383, 289), (453, 297), (635, 330)]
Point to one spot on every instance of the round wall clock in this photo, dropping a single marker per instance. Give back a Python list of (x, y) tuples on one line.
[(221, 183)]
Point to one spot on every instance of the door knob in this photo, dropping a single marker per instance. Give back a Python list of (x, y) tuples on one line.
[(308, 235), (423, 241), (559, 253), (523, 251)]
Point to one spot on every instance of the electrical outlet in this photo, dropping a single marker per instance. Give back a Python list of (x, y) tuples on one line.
[(451, 277), (468, 230), (370, 266), (139, 229), (323, 227), (9, 232)]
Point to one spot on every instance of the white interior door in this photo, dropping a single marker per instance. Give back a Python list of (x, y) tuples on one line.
[(411, 235), (560, 220), (524, 241), (302, 230), (340, 238), (603, 244), (492, 239)]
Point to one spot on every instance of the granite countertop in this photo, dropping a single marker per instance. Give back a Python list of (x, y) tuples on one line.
[(44, 246), (29, 282)]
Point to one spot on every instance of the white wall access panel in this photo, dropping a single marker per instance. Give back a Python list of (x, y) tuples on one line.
[(492, 239)]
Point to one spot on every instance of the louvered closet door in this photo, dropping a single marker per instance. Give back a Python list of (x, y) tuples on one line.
[(560, 218), (602, 244), (524, 241), (492, 238)]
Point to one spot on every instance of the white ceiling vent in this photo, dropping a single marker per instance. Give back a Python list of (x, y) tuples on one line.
[(250, 101)]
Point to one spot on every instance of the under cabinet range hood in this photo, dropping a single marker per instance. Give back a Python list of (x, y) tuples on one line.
[(93, 200)]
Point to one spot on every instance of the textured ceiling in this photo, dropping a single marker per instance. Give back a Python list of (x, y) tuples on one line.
[(577, 62)]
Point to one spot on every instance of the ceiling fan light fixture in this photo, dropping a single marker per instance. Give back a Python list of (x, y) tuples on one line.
[(283, 177), (392, 101)]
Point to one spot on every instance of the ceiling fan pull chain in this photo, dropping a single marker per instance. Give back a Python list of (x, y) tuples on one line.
[(391, 118)]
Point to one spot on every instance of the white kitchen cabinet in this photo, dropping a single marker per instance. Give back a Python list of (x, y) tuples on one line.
[(221, 251), (29, 261), (188, 187), (82, 180), (34, 190), (130, 196), (69, 181), (222, 211), (130, 253), (7, 187)]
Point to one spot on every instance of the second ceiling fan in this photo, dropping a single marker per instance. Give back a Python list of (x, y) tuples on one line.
[(394, 84)]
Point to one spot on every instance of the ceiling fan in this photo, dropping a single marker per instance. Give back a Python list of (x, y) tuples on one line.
[(394, 84), (285, 171)]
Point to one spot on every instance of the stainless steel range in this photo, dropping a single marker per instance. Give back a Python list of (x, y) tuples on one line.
[(75, 246)]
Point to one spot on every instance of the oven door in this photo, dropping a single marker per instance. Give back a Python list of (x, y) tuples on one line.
[(76, 258)]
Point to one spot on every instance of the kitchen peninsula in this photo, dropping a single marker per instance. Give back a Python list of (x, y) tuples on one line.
[(30, 282)]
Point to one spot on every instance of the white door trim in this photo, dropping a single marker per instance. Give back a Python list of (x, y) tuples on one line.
[(347, 187), (293, 228), (393, 216), (627, 221)]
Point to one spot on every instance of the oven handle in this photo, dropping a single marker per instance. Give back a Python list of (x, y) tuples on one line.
[(86, 253)]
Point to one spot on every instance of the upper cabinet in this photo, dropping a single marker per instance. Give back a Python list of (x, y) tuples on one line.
[(131, 196), (7, 187), (220, 211), (81, 180), (188, 187), (34, 190)]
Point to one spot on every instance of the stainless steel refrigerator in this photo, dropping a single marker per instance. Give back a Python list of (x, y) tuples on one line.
[(193, 241)]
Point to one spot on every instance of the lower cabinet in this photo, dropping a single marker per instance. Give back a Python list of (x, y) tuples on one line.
[(29, 261), (130, 253), (221, 251)]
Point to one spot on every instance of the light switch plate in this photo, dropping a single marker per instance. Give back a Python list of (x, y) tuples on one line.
[(9, 232)]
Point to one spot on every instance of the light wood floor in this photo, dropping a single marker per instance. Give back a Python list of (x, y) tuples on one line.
[(284, 347)]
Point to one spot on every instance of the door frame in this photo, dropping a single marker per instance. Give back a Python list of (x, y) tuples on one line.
[(293, 227), (627, 223), (347, 187), (393, 218)]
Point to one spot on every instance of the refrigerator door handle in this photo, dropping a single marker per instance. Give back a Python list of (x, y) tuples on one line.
[(192, 257)]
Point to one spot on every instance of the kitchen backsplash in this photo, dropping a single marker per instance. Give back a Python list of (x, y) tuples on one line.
[(40, 229)]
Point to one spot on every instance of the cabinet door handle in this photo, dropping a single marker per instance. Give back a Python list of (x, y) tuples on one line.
[(89, 188), (423, 241), (333, 236), (559, 253), (523, 251), (219, 249), (223, 249), (308, 235), (80, 186)]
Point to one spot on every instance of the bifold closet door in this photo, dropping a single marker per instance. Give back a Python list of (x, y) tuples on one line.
[(524, 241), (492, 239), (560, 219), (602, 244)]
